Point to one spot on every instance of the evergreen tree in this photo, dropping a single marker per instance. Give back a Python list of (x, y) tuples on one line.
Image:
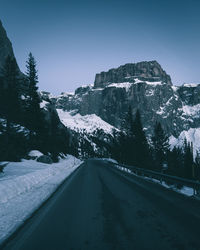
[(188, 160), (140, 151), (124, 145), (12, 142), (33, 112), (175, 162), (160, 146), (119, 148), (197, 166), (10, 100)]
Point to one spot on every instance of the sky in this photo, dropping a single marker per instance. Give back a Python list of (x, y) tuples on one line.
[(73, 40)]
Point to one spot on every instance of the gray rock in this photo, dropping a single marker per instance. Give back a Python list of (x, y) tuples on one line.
[(5, 46), (3, 165), (45, 159), (149, 71)]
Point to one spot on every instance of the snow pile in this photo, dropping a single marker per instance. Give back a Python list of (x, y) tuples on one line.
[(191, 135), (25, 185), (35, 153), (86, 123)]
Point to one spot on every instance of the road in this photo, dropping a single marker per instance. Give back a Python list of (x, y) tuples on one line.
[(99, 207)]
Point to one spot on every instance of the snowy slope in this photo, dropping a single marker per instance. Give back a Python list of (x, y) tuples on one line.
[(25, 185), (191, 135), (86, 123)]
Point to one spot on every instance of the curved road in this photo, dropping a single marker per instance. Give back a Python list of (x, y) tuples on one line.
[(99, 207)]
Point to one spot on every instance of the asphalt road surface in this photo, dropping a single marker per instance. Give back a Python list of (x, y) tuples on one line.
[(99, 207)]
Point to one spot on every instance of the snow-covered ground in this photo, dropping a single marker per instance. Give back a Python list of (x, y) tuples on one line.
[(87, 123), (25, 185)]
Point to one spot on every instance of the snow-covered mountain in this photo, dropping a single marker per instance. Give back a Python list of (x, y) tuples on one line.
[(144, 86)]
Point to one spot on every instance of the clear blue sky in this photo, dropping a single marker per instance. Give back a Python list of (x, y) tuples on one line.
[(74, 40)]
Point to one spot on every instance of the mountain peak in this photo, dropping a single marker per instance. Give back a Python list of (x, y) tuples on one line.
[(5, 46), (145, 71)]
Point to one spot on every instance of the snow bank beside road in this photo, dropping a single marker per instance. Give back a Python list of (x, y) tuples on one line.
[(25, 185)]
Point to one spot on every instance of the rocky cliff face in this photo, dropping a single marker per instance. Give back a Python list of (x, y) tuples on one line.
[(5, 46), (145, 71)]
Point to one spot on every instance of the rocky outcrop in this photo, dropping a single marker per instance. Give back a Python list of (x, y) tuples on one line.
[(145, 71), (5, 46), (45, 159)]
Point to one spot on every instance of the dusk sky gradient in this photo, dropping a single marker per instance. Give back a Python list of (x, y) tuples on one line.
[(73, 40)]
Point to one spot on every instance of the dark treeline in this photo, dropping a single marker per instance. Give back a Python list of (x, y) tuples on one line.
[(131, 147), (23, 124)]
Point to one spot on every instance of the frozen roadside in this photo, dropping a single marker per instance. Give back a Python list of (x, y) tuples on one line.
[(25, 185)]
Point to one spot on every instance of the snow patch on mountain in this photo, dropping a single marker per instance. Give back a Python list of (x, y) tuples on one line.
[(191, 135), (193, 111), (190, 85), (86, 123), (43, 104), (125, 85)]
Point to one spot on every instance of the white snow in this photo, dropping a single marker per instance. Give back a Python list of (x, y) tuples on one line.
[(190, 85), (175, 88), (66, 94), (149, 92), (125, 85), (191, 110), (109, 160), (154, 83), (25, 185), (87, 85), (161, 111), (43, 104), (147, 82), (191, 135), (35, 153), (23, 97), (86, 123)]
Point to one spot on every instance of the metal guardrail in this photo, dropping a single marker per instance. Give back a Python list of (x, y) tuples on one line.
[(165, 177)]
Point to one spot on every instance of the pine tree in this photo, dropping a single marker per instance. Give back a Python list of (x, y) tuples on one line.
[(125, 140), (188, 160), (12, 141), (33, 111), (175, 162), (141, 149), (34, 118), (197, 166), (10, 100), (160, 146)]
